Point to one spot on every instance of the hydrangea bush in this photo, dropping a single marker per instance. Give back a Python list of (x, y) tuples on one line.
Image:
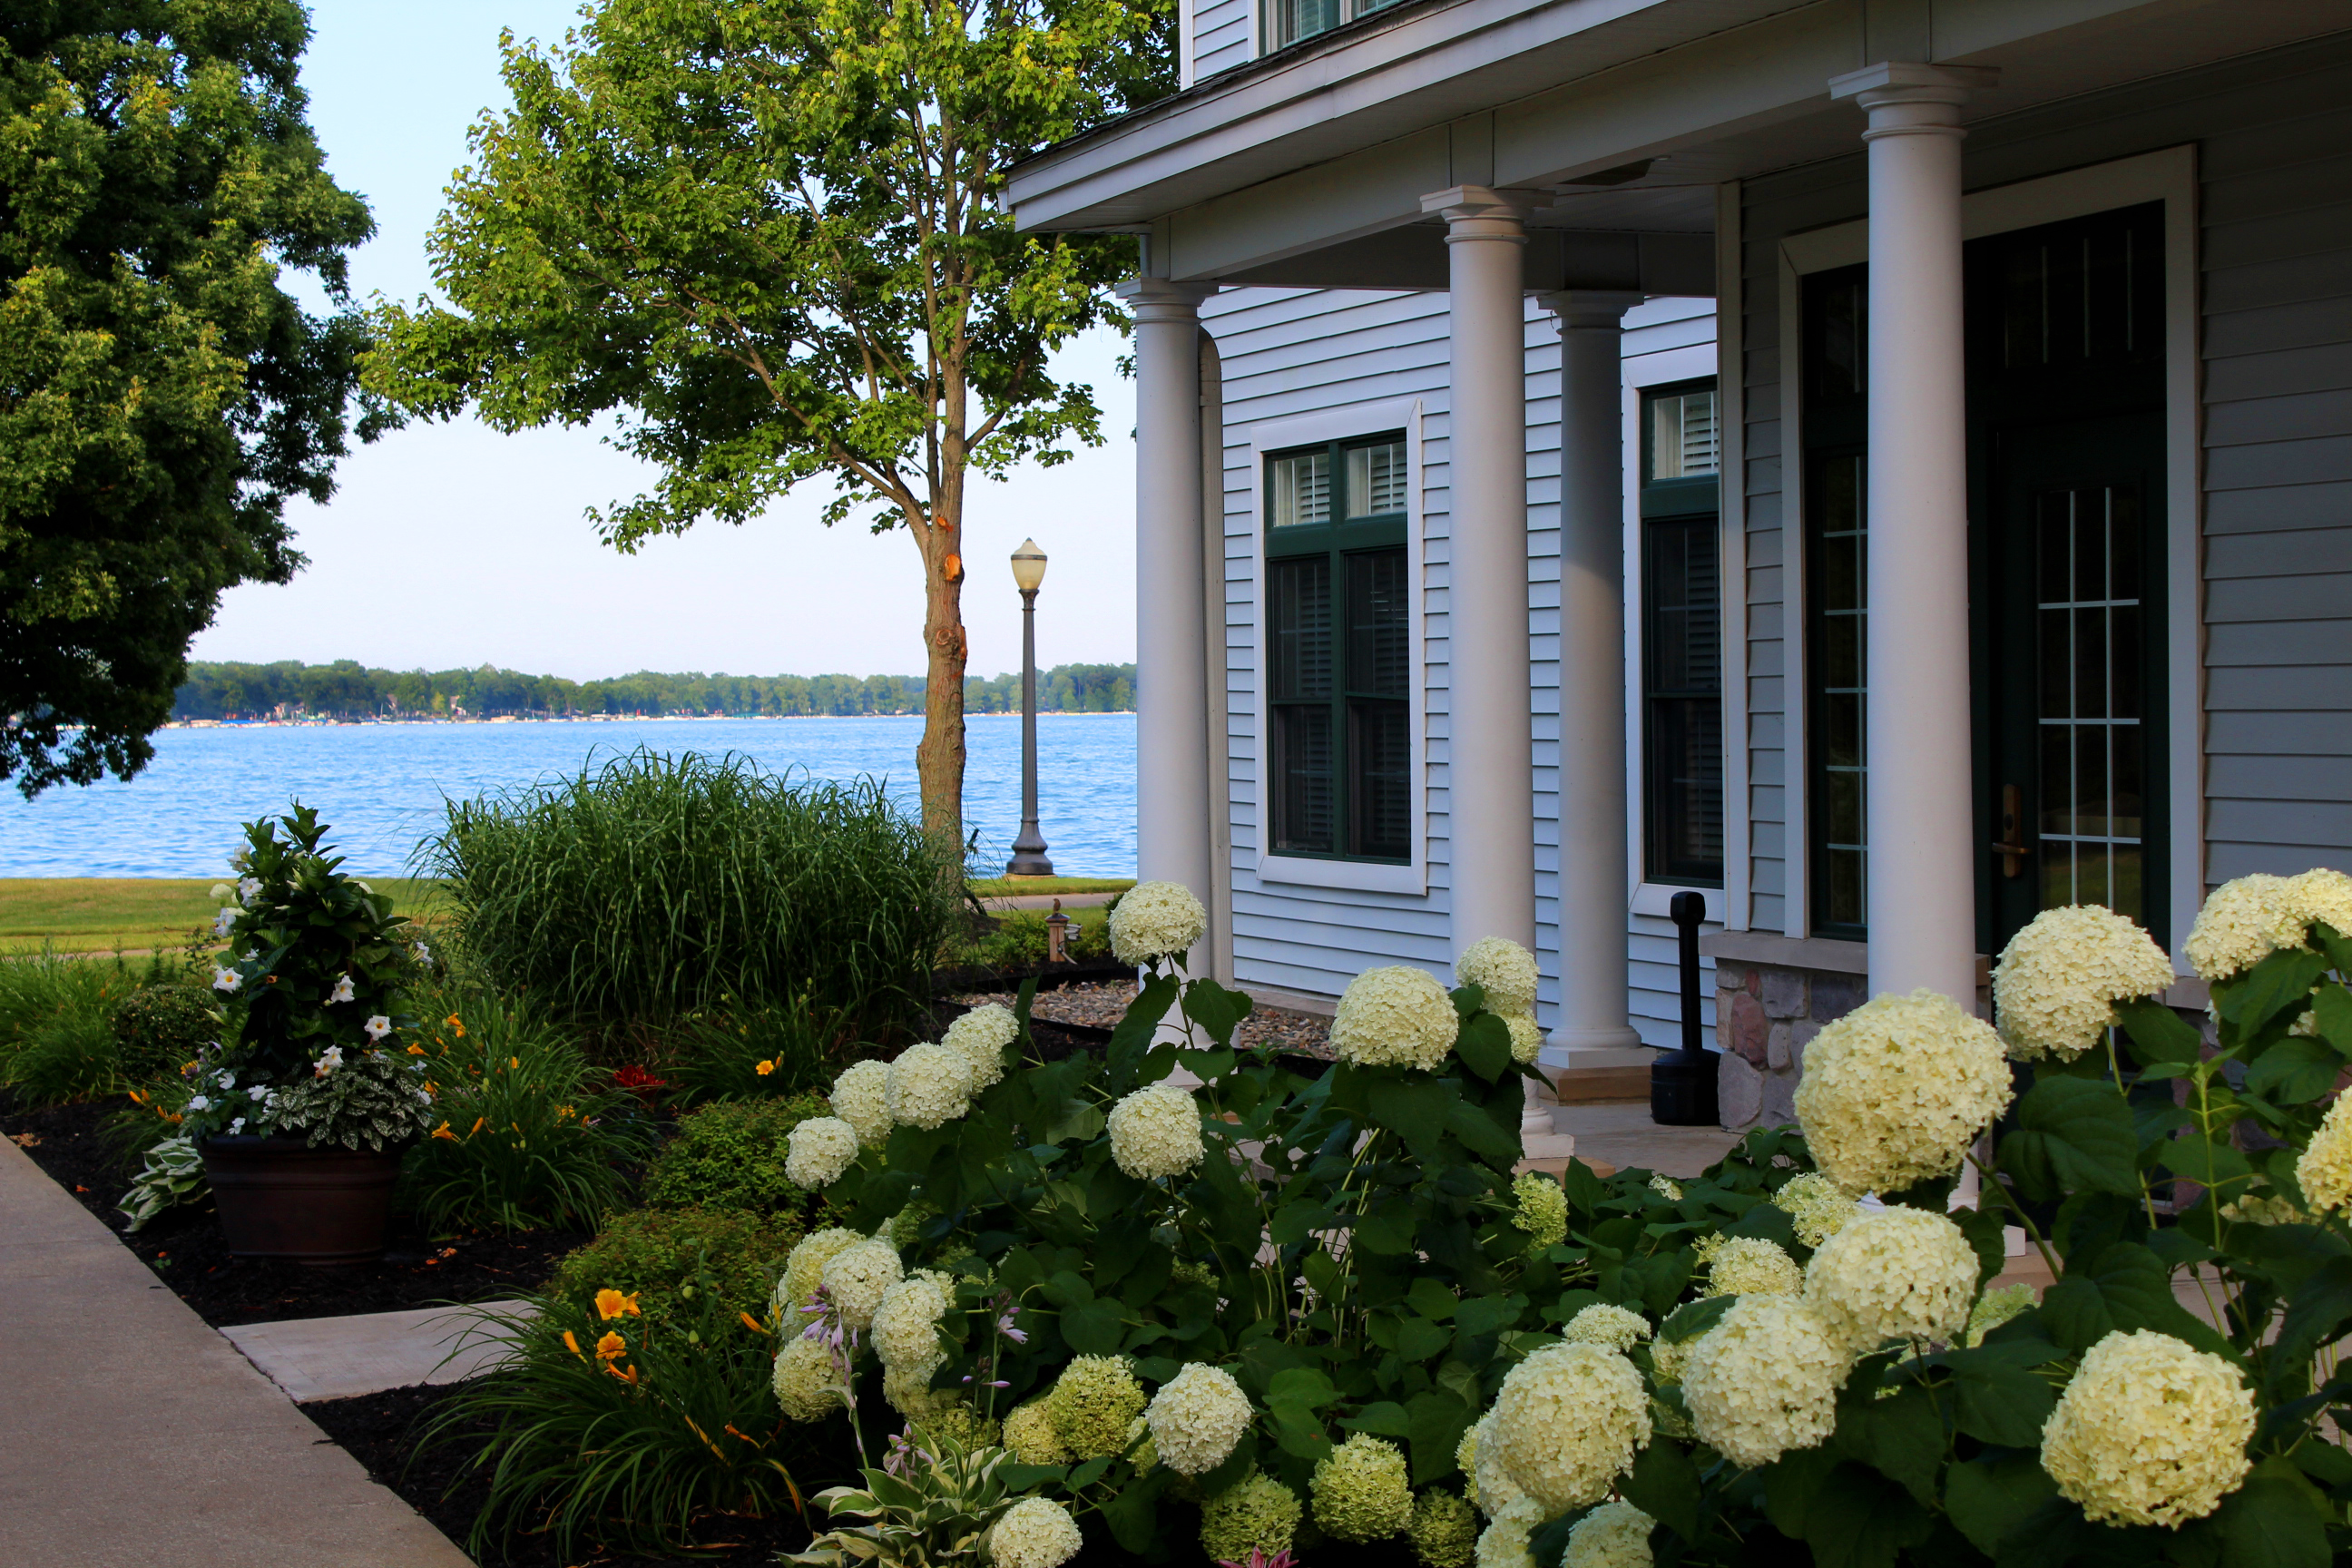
[(1259, 1310)]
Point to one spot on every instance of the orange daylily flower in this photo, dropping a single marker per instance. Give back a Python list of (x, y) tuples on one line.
[(752, 1323), (416, 1050), (764, 1068), (627, 1375), (611, 1304), (514, 1064), (443, 1131), (573, 1345), (611, 1345), (453, 1022)]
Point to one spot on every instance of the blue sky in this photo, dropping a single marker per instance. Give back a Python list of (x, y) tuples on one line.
[(449, 545)]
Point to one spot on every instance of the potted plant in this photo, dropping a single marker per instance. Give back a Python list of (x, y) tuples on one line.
[(303, 1112)]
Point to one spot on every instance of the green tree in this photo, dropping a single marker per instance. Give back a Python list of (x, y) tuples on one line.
[(767, 235), (161, 394)]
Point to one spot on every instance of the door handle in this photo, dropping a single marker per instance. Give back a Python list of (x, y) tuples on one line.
[(2011, 846)]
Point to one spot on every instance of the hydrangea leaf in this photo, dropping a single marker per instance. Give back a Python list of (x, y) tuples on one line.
[(2322, 1304), (1435, 1419), (1484, 1046), (2278, 1519), (1094, 1328), (2295, 1071), (2154, 1033), (2071, 1134), (1997, 1400), (1992, 1495), (1416, 1109), (2282, 980), (2125, 1287), (1664, 1484), (1216, 1009)]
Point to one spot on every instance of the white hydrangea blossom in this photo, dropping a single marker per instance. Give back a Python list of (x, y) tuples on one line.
[(1751, 1265), (1899, 1274), (2244, 921), (1030, 1433), (1815, 1207), (1765, 1379), (1506, 1542), (1197, 1417), (2055, 988), (1895, 1091), (1480, 1455), (807, 1383), (908, 1390), (2324, 1169), (1154, 921), (1568, 1422), (1035, 1533), (1614, 1535), (906, 1322), (1665, 1187), (861, 1096), (1669, 1357), (855, 1278), (1995, 1307), (982, 1036), (1156, 1132), (928, 1087), (2151, 1431), (1395, 1016), (804, 1271), (1617, 1328), (1504, 970), (817, 1151), (1527, 1040), (1360, 1489)]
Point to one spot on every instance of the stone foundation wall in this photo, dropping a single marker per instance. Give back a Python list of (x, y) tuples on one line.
[(1765, 1016)]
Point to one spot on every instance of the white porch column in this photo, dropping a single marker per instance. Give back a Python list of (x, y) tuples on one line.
[(1593, 866), (1172, 786), (1920, 886), (1491, 753)]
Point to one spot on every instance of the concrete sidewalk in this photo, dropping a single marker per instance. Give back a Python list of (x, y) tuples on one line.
[(132, 1434), (335, 1358)]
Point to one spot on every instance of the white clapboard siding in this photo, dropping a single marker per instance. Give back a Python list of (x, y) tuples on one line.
[(1286, 352), (1220, 35)]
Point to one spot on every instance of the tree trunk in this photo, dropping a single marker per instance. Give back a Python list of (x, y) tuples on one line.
[(940, 755)]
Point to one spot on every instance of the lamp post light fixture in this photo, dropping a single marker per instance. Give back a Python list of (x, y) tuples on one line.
[(1029, 845)]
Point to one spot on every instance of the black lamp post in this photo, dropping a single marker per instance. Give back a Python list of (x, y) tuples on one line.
[(1682, 1083), (1029, 845)]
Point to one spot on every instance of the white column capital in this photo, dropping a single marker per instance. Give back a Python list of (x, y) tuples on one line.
[(1164, 299), (1481, 211), (1907, 97), (1585, 309)]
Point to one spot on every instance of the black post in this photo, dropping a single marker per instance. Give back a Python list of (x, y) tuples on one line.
[(1681, 1082), (1029, 844)]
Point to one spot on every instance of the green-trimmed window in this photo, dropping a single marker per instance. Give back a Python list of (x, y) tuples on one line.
[(1340, 650), (1682, 637), (1288, 21)]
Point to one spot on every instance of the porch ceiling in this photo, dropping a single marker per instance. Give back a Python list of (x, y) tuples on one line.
[(1287, 170)]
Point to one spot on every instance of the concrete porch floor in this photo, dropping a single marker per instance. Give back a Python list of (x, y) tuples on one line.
[(1619, 1133)]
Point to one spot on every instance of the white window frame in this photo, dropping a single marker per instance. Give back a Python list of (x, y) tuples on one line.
[(1695, 363), (1271, 435), (2169, 177)]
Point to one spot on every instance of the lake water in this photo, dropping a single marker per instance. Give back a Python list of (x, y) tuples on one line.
[(380, 786)]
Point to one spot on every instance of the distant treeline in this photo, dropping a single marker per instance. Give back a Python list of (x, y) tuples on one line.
[(346, 688)]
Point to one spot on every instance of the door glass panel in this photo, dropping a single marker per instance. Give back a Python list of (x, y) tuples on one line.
[(2091, 653), (1843, 541)]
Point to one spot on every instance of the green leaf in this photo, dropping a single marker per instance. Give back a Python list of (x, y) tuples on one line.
[(1997, 1401), (1133, 1512), (1217, 1010), (1584, 1189), (2278, 1519), (1296, 1392), (1384, 1418), (2334, 1006), (1414, 1109), (1430, 1299), (1124, 1056), (1418, 1339), (2155, 1032), (2071, 1134), (1665, 1484), (1484, 1046), (1388, 1228), (1901, 1436), (2125, 1287), (2295, 1071), (1484, 1314), (1693, 1319), (1292, 1223), (1992, 1495), (1021, 1477), (1094, 1327), (2315, 1315), (2279, 982), (1481, 1134), (1861, 1520), (1436, 1417)]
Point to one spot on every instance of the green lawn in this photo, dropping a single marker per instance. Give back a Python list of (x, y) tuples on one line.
[(1004, 887), (99, 914)]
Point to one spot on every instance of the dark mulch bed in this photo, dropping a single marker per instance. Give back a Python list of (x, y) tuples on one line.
[(185, 1249), (379, 1430)]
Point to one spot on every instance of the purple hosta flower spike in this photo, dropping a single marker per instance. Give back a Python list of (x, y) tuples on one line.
[(1258, 1559), (1005, 1326)]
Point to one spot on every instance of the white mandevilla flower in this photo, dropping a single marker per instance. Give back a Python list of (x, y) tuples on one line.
[(1396, 1015), (257, 1092), (226, 980), (1504, 970), (1765, 1379), (855, 1278), (807, 1383), (1035, 1533), (817, 1151), (378, 1027), (1895, 1091), (1197, 1417), (1155, 1133), (224, 921), (199, 1102), (1569, 1421), (1154, 921), (249, 888), (1899, 1274), (226, 1079), (329, 1060), (861, 1096), (980, 1036), (424, 954), (804, 1271), (1751, 1265), (929, 1086), (1815, 1207), (342, 991), (2055, 988), (2151, 1431), (1614, 1535), (1616, 1328), (237, 1125)]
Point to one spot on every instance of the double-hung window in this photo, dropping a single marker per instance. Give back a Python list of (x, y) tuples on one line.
[(1682, 640), (1339, 652), (1288, 21)]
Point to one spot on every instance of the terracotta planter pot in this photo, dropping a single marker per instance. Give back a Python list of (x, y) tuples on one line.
[(278, 1198)]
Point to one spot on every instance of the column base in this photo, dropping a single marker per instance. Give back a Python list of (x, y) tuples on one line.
[(1620, 1047)]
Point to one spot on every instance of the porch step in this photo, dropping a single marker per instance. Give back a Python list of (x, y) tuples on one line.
[(1598, 1085)]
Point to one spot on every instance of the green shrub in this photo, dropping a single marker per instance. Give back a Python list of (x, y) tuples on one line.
[(658, 885), (735, 1052), (159, 1028), (650, 1253), (58, 1041), (731, 1155), (525, 1133), (633, 1447)]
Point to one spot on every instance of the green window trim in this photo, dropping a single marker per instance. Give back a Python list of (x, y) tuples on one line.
[(1682, 637), (1341, 664)]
